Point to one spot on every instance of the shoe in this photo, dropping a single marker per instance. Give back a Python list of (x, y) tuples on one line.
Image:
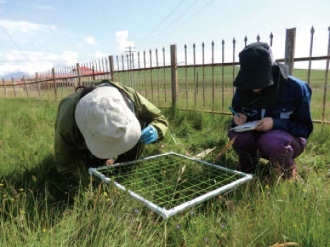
[(290, 174), (247, 163), (286, 174)]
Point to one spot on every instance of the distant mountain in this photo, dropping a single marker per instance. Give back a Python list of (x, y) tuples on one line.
[(15, 75)]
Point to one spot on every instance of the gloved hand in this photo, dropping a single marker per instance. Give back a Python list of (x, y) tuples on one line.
[(149, 134)]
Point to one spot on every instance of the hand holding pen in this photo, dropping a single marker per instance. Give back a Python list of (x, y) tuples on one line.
[(239, 118)]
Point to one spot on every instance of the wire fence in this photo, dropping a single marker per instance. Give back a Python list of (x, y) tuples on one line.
[(192, 84)]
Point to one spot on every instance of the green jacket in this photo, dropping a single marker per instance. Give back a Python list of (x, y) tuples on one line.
[(70, 149)]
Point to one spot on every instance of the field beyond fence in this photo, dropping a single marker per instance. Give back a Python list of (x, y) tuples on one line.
[(195, 85)]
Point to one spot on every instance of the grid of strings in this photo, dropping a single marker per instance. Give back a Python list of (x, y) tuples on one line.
[(170, 180)]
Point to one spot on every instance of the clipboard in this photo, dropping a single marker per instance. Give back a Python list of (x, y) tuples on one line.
[(246, 127)]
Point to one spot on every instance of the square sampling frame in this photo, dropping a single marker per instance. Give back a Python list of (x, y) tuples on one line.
[(170, 183)]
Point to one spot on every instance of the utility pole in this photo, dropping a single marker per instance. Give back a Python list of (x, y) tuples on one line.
[(131, 62)]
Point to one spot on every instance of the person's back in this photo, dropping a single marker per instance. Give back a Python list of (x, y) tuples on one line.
[(104, 122)]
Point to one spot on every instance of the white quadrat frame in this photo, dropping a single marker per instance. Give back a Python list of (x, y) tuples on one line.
[(167, 213)]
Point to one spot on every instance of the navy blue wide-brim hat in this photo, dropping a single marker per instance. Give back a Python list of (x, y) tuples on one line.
[(255, 67)]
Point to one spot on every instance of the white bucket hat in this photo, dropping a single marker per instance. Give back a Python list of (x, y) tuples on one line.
[(108, 126)]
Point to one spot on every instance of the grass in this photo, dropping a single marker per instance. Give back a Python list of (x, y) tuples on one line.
[(35, 211)]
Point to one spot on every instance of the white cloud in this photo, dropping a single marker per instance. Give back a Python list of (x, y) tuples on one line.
[(32, 62), (42, 7), (40, 41), (99, 54), (69, 58), (25, 26), (122, 42), (90, 40)]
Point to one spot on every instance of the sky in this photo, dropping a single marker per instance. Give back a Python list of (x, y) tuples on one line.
[(37, 35)]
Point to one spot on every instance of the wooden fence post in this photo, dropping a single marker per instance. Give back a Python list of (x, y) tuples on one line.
[(112, 68), (93, 73), (37, 79), (13, 83), (174, 75), (326, 78), (290, 41), (4, 85), (151, 81), (310, 56), (78, 74), (27, 93), (54, 81)]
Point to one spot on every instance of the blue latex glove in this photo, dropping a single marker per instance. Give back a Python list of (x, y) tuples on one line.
[(149, 134)]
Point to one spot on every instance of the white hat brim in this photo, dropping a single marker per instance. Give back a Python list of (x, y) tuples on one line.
[(108, 126)]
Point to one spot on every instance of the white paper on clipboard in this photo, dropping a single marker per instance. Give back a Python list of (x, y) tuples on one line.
[(246, 127)]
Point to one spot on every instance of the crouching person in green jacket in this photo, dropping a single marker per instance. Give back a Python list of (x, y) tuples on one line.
[(102, 125)]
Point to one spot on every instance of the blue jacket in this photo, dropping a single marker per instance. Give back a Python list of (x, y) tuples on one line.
[(291, 113)]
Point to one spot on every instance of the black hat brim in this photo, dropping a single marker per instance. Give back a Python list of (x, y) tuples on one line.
[(254, 79)]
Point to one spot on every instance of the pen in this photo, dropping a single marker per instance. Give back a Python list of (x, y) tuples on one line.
[(233, 111)]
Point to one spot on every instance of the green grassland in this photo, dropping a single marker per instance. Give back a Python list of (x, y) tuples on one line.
[(35, 209), (207, 88)]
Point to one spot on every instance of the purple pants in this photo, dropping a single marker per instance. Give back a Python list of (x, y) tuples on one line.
[(277, 146)]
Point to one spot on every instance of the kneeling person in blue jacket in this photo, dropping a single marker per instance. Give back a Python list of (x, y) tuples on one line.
[(281, 104)]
